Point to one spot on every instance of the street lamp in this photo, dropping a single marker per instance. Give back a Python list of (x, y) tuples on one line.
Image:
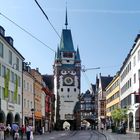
[(32, 110)]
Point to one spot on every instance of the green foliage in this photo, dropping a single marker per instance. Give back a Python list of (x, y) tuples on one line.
[(16, 90), (6, 83), (119, 115)]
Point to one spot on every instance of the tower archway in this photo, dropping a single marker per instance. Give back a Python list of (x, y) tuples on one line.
[(131, 121), (66, 125)]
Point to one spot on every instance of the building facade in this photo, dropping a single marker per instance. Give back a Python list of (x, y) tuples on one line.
[(103, 83), (49, 102), (28, 96), (112, 98), (87, 106), (129, 85), (38, 100), (10, 81), (67, 75)]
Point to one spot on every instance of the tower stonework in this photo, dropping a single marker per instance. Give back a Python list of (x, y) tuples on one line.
[(67, 77)]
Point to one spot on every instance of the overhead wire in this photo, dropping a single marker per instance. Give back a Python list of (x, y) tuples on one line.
[(47, 18), (27, 32), (84, 70)]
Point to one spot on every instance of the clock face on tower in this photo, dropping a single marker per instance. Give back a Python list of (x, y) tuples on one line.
[(68, 80)]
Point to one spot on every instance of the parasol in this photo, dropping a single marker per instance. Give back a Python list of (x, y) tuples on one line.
[(15, 126)]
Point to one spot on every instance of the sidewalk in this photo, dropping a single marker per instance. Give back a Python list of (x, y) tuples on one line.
[(115, 136)]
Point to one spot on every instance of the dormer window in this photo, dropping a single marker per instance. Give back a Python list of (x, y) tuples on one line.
[(68, 54), (2, 31)]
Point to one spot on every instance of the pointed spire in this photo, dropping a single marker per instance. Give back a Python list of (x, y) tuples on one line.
[(66, 20), (57, 54), (77, 54)]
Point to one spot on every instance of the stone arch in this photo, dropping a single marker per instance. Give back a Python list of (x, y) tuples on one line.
[(17, 118), (2, 117), (66, 125), (131, 119), (9, 118)]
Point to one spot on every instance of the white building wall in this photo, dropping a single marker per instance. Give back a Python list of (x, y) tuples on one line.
[(68, 99), (135, 67), (6, 105), (28, 95)]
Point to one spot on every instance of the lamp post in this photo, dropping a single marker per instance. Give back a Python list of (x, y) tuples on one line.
[(32, 110)]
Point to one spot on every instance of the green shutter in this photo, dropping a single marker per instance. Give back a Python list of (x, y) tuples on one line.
[(6, 83), (16, 90)]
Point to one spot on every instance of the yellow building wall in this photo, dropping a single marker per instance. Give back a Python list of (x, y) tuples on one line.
[(114, 91)]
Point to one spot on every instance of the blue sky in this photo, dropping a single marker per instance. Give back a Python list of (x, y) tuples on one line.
[(104, 31)]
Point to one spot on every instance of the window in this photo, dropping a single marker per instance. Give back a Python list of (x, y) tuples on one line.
[(3, 89), (10, 57), (24, 102), (74, 89), (19, 99), (139, 74), (61, 89), (28, 104), (0, 69), (12, 96), (27, 86), (17, 63), (31, 104), (3, 70), (68, 54), (134, 78), (134, 61), (15, 78), (68, 89), (138, 55), (1, 50), (19, 81), (12, 76), (0, 91), (9, 95)]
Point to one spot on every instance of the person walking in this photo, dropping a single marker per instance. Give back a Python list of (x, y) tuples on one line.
[(102, 127), (8, 130), (2, 129), (22, 130), (28, 131)]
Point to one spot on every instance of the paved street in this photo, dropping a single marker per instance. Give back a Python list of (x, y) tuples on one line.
[(114, 136), (69, 135), (84, 135)]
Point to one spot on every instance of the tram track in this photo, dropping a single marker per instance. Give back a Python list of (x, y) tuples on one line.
[(75, 135)]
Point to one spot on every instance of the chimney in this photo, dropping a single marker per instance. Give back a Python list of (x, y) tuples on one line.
[(37, 69), (2, 31)]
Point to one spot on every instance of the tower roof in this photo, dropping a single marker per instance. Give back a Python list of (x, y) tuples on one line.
[(66, 43)]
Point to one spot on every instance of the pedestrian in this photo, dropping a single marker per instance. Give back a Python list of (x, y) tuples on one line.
[(2, 129), (22, 129), (16, 136), (28, 131), (102, 127), (124, 127), (8, 130), (31, 135)]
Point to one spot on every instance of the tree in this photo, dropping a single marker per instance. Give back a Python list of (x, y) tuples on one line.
[(119, 114)]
